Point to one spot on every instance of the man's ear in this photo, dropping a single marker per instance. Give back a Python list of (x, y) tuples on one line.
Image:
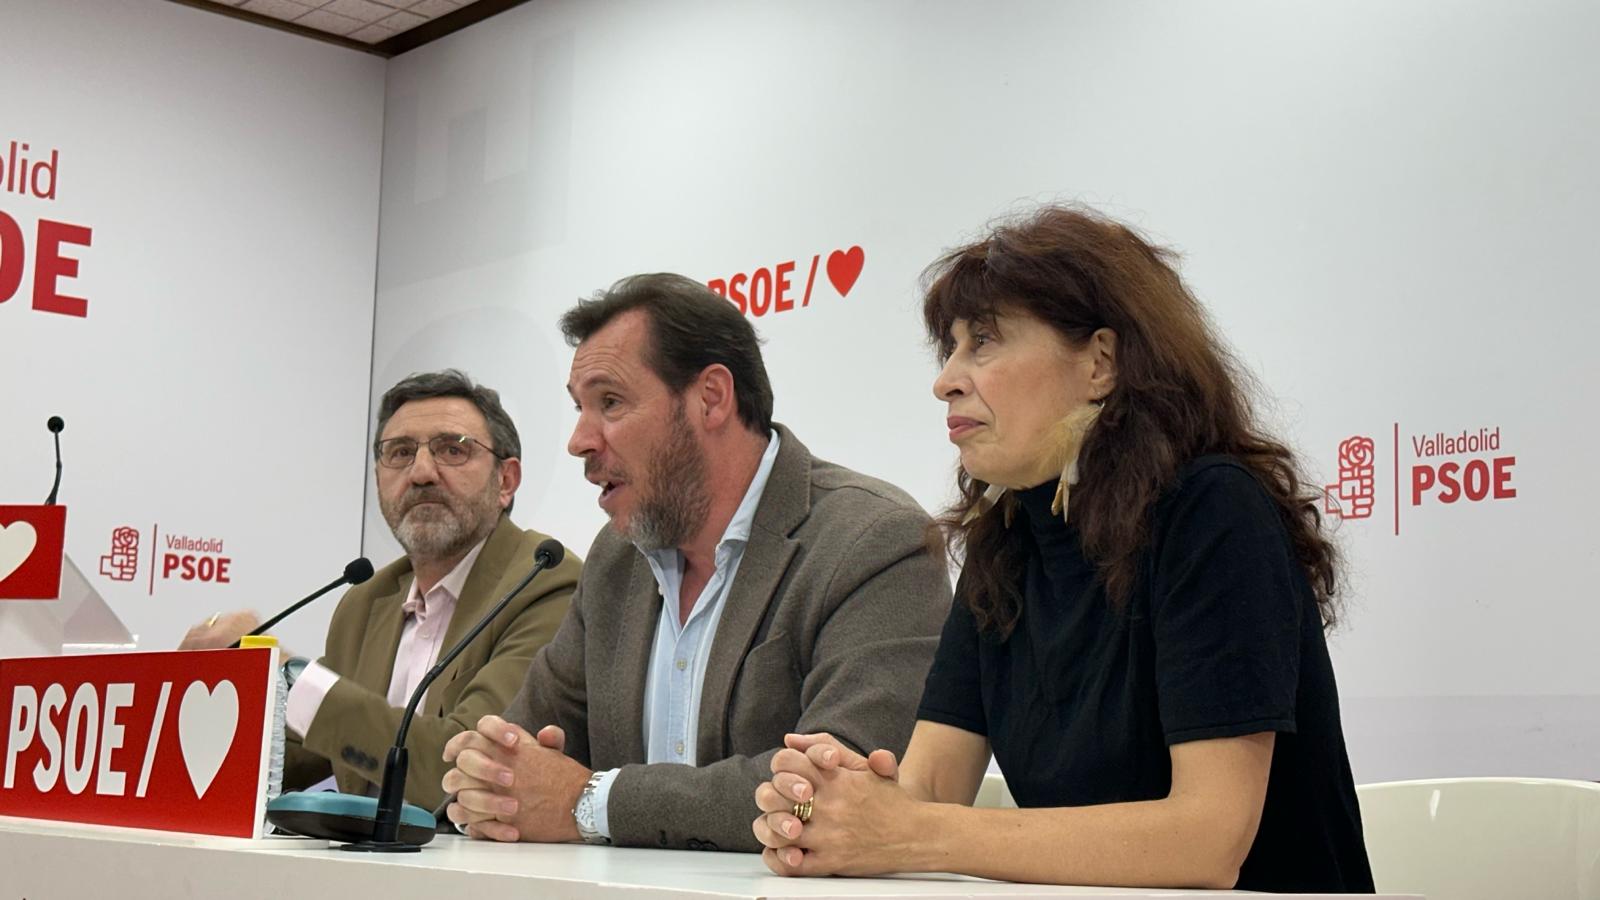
[(715, 398), (510, 480)]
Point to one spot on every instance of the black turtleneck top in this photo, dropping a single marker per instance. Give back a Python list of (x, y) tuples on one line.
[(1220, 638)]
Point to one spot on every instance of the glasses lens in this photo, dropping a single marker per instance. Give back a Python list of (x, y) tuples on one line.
[(397, 453), (451, 449)]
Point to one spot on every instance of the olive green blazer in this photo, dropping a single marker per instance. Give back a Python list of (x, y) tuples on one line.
[(355, 725)]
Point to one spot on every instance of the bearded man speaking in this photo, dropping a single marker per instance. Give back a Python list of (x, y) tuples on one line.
[(744, 589)]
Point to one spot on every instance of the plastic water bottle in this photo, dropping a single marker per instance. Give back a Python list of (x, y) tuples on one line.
[(280, 710)]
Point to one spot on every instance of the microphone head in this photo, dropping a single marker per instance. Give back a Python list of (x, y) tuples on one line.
[(550, 553), (55, 424), (358, 570)]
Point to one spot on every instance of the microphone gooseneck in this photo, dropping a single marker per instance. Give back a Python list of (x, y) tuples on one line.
[(355, 572), (391, 796), (55, 424)]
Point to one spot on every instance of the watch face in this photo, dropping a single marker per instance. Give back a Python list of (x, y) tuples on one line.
[(583, 815)]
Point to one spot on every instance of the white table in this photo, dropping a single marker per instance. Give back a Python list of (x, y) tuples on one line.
[(49, 861)]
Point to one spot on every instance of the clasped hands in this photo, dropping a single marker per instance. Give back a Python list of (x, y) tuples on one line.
[(860, 821), (510, 785), (513, 786)]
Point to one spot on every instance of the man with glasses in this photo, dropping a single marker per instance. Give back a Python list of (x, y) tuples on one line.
[(448, 469)]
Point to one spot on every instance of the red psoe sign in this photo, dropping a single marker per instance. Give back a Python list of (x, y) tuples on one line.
[(168, 741), (31, 546)]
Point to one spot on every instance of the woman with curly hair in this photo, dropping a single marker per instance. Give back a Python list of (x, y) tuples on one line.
[(1138, 631)]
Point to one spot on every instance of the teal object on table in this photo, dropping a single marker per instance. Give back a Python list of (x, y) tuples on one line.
[(344, 817)]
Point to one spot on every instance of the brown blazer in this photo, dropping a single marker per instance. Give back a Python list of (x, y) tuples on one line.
[(830, 625), (355, 725)]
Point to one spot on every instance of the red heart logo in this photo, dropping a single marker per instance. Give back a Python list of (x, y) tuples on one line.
[(844, 267)]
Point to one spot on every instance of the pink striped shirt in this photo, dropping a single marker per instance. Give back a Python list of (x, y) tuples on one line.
[(427, 619)]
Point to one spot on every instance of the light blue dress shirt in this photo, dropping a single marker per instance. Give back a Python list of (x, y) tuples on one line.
[(677, 669)]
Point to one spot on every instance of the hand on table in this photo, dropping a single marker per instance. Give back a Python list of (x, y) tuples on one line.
[(219, 631), (859, 820)]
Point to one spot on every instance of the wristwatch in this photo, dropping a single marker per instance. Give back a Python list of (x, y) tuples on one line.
[(584, 813), (292, 667)]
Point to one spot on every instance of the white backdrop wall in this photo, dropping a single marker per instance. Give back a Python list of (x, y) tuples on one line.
[(216, 388), (1387, 207)]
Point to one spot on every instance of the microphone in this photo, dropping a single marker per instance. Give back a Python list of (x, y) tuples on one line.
[(355, 572), (387, 824), (55, 425)]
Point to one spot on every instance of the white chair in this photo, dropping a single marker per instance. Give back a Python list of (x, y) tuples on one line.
[(1472, 838), (993, 793)]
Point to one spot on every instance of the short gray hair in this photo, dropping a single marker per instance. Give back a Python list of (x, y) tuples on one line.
[(453, 383)]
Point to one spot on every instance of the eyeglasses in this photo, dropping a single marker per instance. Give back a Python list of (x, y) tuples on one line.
[(446, 450)]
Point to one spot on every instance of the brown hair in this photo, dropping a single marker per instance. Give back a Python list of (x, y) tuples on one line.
[(690, 328), (1179, 395)]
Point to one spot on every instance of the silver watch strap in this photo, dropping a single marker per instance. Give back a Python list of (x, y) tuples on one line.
[(584, 815)]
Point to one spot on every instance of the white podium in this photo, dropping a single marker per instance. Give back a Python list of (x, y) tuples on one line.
[(78, 622)]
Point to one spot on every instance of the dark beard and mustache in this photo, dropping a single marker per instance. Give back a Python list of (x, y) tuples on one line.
[(441, 532), (673, 503)]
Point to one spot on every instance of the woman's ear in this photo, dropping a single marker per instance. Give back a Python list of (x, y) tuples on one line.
[(1103, 350)]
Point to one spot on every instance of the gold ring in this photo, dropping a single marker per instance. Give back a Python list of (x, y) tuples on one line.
[(213, 620), (802, 811)]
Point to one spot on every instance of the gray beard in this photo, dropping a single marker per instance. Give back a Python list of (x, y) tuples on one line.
[(448, 533), (435, 539), (675, 505)]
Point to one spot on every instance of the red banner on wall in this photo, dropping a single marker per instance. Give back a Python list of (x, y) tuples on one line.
[(77, 739)]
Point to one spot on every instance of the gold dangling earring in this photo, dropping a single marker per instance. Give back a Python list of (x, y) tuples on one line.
[(1069, 437), (991, 496)]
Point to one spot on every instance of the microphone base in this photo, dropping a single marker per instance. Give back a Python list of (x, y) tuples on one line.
[(381, 847), (346, 819)]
